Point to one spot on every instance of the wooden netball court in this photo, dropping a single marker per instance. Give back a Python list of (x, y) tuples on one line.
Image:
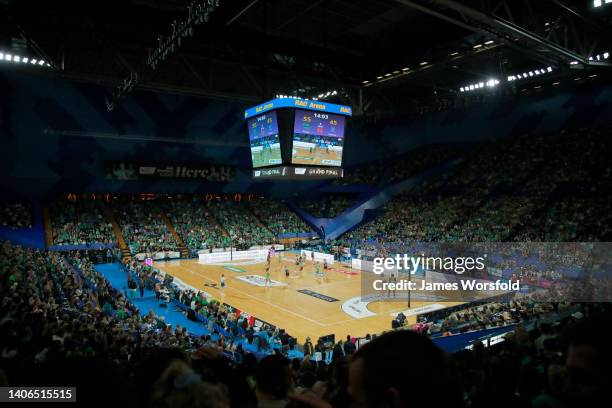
[(302, 315)]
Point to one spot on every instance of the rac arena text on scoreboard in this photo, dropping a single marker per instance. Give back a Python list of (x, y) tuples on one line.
[(298, 103)]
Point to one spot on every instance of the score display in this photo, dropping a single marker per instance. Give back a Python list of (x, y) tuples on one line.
[(264, 140), (318, 138)]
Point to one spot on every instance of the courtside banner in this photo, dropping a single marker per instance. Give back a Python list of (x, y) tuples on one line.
[(318, 256), (473, 272), (217, 257)]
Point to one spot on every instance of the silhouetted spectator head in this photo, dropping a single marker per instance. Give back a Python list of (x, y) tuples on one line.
[(588, 363), (273, 377), (401, 369)]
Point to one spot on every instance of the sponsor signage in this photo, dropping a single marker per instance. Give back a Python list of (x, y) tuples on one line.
[(297, 172), (140, 171), (298, 103), (258, 280), (318, 295)]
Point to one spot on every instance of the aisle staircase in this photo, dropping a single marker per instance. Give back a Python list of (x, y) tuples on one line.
[(48, 228), (125, 250), (179, 241), (258, 220), (213, 220)]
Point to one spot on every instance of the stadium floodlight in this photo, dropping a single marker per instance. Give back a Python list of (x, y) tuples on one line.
[(1, 55), (41, 62), (396, 72), (549, 69), (597, 3), (379, 77), (8, 57), (530, 73), (510, 78), (477, 46), (489, 42), (387, 75), (25, 60), (33, 61), (574, 63), (405, 69), (577, 79), (423, 63), (16, 58), (556, 83), (471, 87), (462, 89), (365, 82), (592, 75), (334, 92), (481, 84), (452, 54)]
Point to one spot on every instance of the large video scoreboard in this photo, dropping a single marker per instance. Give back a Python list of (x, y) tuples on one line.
[(302, 138)]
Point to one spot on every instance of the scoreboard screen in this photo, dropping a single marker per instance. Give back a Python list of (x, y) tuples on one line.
[(318, 138), (264, 140)]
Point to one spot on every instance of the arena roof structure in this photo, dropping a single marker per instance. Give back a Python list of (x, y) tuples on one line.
[(377, 56)]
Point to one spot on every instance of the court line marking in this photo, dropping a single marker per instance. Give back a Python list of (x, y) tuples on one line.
[(253, 297)]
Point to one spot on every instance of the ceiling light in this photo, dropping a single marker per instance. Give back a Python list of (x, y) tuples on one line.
[(477, 46), (379, 77), (17, 58), (41, 62), (549, 69), (387, 75), (556, 83), (8, 57), (489, 42), (365, 82), (461, 89), (423, 63), (452, 54), (405, 69), (25, 60)]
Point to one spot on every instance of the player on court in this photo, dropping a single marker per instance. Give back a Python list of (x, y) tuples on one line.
[(268, 282), (222, 281), (393, 280), (318, 272)]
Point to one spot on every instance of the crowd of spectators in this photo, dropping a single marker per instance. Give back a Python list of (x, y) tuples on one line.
[(82, 222), (62, 323), (539, 188), (401, 167), (15, 214), (242, 226), (328, 206), (195, 224), (143, 227), (278, 217)]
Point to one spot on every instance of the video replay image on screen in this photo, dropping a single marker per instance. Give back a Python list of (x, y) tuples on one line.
[(265, 143), (318, 138)]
